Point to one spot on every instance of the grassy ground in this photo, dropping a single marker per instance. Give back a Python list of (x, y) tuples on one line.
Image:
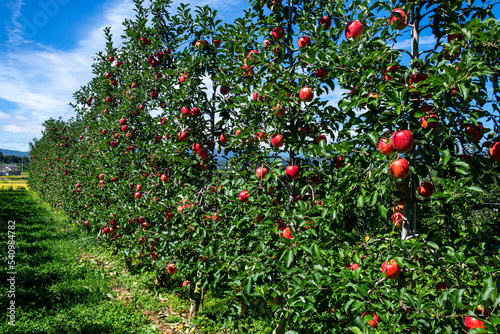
[(55, 290), (15, 181)]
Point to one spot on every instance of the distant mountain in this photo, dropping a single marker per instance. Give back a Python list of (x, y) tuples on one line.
[(16, 153)]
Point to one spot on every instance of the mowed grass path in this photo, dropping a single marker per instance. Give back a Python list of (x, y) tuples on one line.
[(55, 292)]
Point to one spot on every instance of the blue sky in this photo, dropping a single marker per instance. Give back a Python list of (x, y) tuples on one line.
[(46, 50)]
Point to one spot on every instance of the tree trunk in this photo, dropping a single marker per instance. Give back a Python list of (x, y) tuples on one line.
[(280, 329), (195, 301)]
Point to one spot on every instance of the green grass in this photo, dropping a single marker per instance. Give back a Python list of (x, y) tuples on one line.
[(57, 292)]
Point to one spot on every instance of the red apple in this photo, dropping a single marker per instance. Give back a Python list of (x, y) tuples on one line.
[(352, 266), (292, 172), (495, 151), (474, 132), (260, 136), (354, 29), (171, 268), (185, 111), (216, 217), (255, 96), (182, 136), (424, 121), (392, 68), (374, 321), (196, 147), (224, 90), (391, 269), (399, 169), (441, 286), (185, 284), (280, 111), (339, 162), (402, 141), (278, 33), (416, 78), (249, 56), (287, 233), (320, 138), (325, 21), (223, 138), (306, 94), (201, 44), (426, 189), (303, 42), (277, 140), (261, 172), (471, 322), (203, 154), (397, 219), (384, 147), (195, 112), (399, 18), (243, 196), (321, 72), (216, 42), (137, 195)]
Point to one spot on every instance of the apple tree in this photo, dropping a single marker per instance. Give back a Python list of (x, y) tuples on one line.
[(351, 164)]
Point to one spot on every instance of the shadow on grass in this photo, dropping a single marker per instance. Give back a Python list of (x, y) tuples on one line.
[(55, 292)]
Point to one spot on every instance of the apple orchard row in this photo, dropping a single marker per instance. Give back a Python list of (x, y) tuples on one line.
[(285, 240)]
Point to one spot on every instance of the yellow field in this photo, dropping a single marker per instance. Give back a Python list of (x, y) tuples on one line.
[(14, 181)]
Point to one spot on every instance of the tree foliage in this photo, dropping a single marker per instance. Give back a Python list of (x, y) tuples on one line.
[(127, 164)]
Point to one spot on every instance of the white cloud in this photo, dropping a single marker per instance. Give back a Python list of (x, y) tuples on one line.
[(15, 30), (39, 80), (4, 116), (21, 127), (334, 96), (424, 40)]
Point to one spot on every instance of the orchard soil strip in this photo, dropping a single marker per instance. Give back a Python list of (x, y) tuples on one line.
[(123, 296)]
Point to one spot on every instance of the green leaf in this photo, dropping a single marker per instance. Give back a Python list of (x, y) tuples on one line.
[(487, 293), (248, 286), (347, 305), (475, 188), (432, 245), (289, 259), (374, 198), (464, 90), (356, 330), (315, 250), (373, 138), (383, 211), (361, 201)]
